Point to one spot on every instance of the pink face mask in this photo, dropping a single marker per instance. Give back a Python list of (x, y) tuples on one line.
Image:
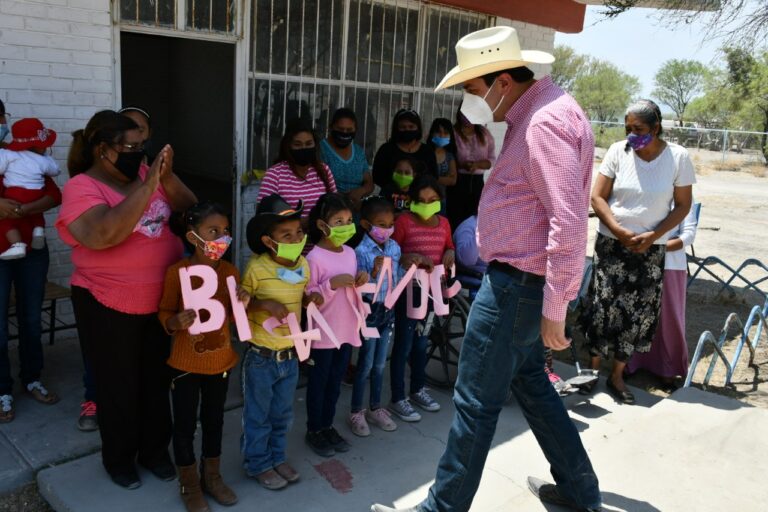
[(381, 235), (215, 249)]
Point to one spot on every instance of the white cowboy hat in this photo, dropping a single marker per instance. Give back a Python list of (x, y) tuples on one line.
[(488, 50)]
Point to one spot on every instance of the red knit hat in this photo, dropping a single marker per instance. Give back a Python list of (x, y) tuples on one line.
[(30, 133)]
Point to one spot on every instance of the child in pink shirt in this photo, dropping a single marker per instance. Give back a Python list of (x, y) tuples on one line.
[(333, 272)]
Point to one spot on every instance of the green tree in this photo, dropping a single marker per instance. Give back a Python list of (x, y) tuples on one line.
[(677, 83), (757, 94), (567, 66), (603, 90)]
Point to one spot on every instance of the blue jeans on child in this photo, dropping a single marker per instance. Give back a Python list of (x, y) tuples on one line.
[(268, 388), (502, 348), (28, 274), (410, 347), (324, 385), (372, 357)]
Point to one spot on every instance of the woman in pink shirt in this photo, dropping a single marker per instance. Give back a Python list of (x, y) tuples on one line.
[(299, 174), (332, 273), (114, 215), (475, 154)]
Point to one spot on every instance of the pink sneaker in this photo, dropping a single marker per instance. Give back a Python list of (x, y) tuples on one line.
[(358, 424), (382, 419)]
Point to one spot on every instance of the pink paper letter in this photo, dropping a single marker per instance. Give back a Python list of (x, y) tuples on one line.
[(201, 298), (238, 311)]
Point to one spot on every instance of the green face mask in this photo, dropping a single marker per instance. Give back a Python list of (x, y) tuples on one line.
[(425, 210), (290, 252), (401, 180), (340, 234)]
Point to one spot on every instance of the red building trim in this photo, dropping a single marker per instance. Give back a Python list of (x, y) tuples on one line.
[(562, 15)]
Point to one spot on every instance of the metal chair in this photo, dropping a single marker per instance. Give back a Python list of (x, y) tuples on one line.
[(703, 264)]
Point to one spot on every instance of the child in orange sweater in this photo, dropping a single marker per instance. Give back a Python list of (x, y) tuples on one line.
[(200, 362)]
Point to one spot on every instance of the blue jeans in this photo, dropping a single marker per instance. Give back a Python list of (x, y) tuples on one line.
[(502, 348), (410, 347), (28, 275), (268, 388), (372, 358), (324, 385)]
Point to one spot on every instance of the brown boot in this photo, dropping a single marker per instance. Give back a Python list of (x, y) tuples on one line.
[(191, 493), (213, 483)]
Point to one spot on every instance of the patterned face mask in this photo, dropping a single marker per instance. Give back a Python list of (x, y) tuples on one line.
[(637, 142), (214, 249), (381, 235)]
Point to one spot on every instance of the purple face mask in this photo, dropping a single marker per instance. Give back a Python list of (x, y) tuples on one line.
[(381, 235), (637, 142)]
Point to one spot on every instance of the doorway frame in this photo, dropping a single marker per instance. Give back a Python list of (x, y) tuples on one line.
[(242, 54)]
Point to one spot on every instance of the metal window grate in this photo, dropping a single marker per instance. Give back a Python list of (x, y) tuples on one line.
[(157, 13), (310, 57), (212, 15)]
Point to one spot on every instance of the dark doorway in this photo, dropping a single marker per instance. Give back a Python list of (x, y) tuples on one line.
[(188, 88)]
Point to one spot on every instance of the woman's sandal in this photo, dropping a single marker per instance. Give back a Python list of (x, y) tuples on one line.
[(625, 397)]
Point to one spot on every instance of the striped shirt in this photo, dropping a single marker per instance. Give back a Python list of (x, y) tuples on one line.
[(533, 211), (416, 238), (281, 180), (261, 281)]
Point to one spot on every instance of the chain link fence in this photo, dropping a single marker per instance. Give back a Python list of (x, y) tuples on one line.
[(711, 144)]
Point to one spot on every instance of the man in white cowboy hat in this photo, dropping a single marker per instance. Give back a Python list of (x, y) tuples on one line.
[(532, 227)]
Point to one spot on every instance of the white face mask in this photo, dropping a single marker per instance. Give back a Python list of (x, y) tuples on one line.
[(475, 108)]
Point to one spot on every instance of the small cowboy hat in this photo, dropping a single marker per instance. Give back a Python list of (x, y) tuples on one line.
[(488, 50), (270, 210), (30, 133)]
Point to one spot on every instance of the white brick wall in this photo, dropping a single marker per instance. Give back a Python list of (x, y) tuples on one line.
[(56, 64)]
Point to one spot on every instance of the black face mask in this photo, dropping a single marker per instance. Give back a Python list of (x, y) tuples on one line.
[(129, 163), (342, 139), (303, 156), (408, 135)]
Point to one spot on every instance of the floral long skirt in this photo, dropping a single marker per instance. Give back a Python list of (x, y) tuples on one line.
[(624, 298)]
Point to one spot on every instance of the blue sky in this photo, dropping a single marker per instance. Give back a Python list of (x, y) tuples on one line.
[(638, 43)]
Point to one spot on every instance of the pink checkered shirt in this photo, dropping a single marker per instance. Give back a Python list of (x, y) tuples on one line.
[(534, 208)]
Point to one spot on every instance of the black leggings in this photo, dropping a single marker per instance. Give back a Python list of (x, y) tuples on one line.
[(209, 392), (127, 353)]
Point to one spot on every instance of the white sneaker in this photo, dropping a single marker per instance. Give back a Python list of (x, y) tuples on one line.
[(404, 410), (358, 425), (38, 238), (382, 419), (425, 401), (16, 251)]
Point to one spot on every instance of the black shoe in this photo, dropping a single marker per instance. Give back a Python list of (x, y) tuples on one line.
[(547, 493), (625, 397), (127, 478), (163, 469), (320, 444), (339, 443)]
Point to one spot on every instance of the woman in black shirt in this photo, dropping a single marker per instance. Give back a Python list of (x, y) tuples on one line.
[(404, 143)]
